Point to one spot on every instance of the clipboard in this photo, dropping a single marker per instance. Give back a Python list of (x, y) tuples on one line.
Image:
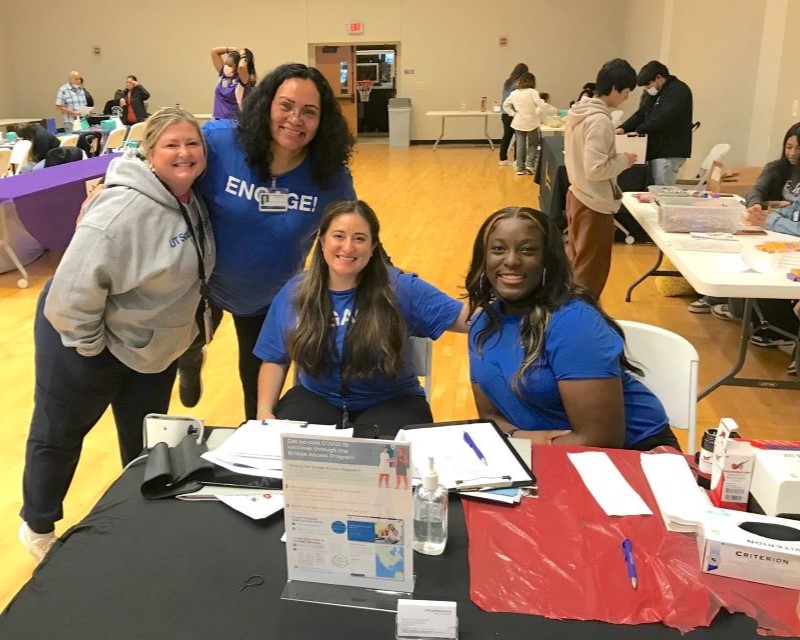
[(458, 463)]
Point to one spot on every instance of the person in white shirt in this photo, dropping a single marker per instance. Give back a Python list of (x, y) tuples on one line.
[(525, 104)]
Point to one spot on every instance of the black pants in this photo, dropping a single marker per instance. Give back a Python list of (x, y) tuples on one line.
[(508, 133), (779, 313), (72, 393), (665, 437), (389, 416), (247, 330)]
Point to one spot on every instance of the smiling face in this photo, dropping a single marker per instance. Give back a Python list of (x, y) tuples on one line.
[(792, 151), (514, 259), (177, 157), (347, 247), (295, 114)]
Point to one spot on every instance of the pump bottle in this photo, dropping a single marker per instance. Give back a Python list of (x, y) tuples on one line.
[(430, 514)]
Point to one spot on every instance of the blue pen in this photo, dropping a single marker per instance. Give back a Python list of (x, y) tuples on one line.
[(468, 439), (627, 551)]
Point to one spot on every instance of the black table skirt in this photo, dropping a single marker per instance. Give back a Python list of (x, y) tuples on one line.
[(136, 569)]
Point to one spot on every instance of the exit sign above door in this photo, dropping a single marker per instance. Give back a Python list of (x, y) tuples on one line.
[(355, 27)]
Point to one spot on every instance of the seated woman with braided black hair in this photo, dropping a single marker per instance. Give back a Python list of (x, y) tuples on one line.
[(546, 362)]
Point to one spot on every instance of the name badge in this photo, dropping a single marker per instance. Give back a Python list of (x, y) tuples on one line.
[(274, 201)]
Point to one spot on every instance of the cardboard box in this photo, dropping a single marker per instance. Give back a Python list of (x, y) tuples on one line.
[(731, 468), (737, 545), (775, 486), (737, 180)]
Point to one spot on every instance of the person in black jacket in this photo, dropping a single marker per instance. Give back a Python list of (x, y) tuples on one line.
[(665, 116), (132, 101), (41, 140)]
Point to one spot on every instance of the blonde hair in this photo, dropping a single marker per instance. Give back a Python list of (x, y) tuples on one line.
[(163, 118)]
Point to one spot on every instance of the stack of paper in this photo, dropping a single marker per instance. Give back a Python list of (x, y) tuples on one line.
[(255, 447), (683, 504)]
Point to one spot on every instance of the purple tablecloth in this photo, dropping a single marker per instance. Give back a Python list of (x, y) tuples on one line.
[(48, 201)]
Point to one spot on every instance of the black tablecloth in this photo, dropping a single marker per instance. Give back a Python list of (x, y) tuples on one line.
[(554, 182), (137, 569)]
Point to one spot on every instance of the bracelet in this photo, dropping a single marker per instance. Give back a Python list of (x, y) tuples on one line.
[(510, 433)]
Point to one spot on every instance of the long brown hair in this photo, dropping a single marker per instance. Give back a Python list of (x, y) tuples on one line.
[(376, 334)]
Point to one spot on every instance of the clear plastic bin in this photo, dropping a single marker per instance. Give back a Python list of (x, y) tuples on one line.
[(683, 215)]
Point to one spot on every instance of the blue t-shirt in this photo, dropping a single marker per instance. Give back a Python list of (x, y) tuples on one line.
[(426, 310), (579, 345), (258, 252)]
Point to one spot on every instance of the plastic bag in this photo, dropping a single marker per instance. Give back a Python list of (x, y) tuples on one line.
[(560, 556)]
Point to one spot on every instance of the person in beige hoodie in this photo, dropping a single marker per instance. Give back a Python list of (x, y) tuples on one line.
[(593, 165)]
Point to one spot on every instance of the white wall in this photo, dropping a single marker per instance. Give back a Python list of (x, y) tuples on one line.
[(788, 90), (7, 107)]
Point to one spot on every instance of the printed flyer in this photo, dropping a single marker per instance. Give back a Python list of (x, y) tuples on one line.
[(348, 512)]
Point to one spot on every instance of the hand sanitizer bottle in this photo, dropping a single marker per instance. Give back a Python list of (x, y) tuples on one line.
[(430, 514)]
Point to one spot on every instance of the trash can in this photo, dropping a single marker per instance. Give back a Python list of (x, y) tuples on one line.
[(399, 122)]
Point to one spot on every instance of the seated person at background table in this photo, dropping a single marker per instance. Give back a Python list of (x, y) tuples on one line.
[(108, 109), (777, 186), (132, 102), (546, 363), (41, 142), (344, 324), (117, 314)]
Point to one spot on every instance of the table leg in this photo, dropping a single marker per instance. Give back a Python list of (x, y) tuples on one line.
[(441, 135), (730, 379), (486, 132), (653, 271)]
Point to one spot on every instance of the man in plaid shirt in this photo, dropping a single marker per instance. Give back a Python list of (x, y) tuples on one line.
[(70, 98)]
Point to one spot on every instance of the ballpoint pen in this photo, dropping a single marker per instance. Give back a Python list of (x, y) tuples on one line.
[(468, 439), (627, 551)]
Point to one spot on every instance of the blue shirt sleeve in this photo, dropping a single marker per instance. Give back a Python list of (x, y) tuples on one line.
[(428, 311), (581, 345), (785, 220), (272, 340)]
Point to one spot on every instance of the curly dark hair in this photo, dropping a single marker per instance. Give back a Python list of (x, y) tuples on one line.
[(557, 288), (331, 147)]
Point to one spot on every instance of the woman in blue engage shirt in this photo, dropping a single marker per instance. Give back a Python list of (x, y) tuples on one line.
[(344, 323), (546, 363)]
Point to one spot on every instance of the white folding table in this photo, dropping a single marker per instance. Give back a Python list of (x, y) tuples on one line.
[(710, 274), (464, 114)]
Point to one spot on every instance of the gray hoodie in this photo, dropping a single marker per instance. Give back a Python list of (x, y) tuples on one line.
[(591, 157), (129, 280)]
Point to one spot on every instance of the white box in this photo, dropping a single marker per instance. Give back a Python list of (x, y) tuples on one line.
[(776, 482), (731, 468), (726, 549), (629, 143)]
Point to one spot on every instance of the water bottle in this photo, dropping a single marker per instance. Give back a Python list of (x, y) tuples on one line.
[(430, 514)]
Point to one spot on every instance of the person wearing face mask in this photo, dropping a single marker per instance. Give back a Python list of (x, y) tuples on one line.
[(71, 100), (237, 77), (665, 117), (546, 362)]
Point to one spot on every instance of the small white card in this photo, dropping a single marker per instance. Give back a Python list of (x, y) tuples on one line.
[(427, 619)]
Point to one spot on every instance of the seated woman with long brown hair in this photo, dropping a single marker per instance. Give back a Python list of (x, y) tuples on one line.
[(344, 323)]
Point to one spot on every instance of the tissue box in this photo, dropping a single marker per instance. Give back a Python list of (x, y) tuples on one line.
[(683, 215), (731, 468), (775, 486), (751, 547)]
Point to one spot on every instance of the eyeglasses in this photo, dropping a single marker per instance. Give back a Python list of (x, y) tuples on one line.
[(306, 113)]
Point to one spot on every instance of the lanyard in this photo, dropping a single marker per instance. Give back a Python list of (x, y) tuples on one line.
[(199, 247)]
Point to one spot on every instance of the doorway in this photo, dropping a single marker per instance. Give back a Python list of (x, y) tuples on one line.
[(345, 65)]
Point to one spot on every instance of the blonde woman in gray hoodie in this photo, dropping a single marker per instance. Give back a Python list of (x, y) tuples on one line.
[(119, 311), (593, 165)]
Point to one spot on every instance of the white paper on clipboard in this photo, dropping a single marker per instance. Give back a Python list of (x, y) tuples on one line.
[(628, 143)]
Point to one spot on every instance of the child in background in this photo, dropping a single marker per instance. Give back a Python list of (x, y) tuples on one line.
[(548, 109), (524, 104)]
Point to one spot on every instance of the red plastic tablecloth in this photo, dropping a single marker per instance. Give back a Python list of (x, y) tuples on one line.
[(560, 556)]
